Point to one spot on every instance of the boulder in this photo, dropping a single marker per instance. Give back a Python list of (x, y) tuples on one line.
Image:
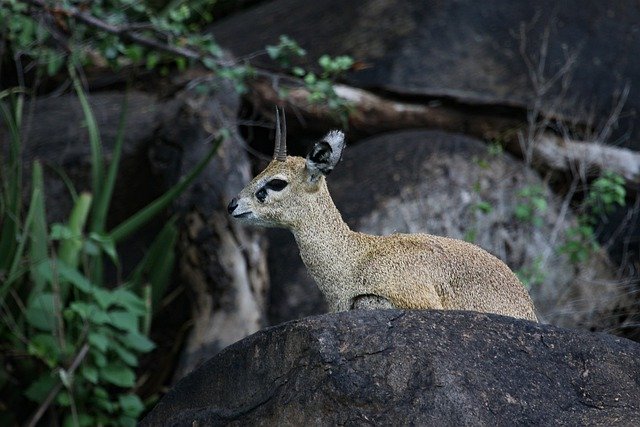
[(571, 59), (393, 367), (455, 186)]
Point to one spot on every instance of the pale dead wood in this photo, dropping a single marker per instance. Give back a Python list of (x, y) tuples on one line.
[(559, 153)]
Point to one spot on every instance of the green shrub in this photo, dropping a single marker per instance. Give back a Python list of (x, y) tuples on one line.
[(71, 341), (532, 205), (603, 195)]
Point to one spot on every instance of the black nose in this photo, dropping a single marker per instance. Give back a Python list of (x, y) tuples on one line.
[(233, 204)]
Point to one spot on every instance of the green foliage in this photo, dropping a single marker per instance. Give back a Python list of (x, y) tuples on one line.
[(532, 205), (605, 192), (320, 85), (72, 339), (580, 241), (470, 235), (532, 275), (483, 206), (178, 25), (603, 195), (495, 148), (285, 52)]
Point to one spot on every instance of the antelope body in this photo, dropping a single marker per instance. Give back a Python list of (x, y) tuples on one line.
[(357, 270)]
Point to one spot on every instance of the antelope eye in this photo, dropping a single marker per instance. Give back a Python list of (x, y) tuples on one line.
[(276, 184), (261, 194)]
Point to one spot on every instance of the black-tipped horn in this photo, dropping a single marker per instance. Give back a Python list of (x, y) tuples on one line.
[(280, 153)]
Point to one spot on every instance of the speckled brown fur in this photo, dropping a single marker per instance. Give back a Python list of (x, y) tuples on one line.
[(412, 271)]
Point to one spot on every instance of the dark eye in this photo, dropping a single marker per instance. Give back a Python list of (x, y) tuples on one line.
[(261, 194), (276, 184)]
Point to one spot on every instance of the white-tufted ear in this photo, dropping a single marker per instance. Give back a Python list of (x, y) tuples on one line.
[(325, 154)]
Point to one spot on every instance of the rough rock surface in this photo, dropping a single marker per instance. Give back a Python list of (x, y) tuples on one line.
[(451, 185), (394, 367)]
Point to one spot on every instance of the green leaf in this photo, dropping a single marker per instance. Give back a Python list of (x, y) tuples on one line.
[(74, 277), (60, 232), (103, 297), (90, 373), (100, 359), (63, 399), (210, 63), (134, 52), (90, 312), (99, 341), (101, 208), (40, 388), (123, 320), (126, 421), (324, 61), (137, 341), (41, 313), (70, 248), (522, 212), (152, 60), (95, 143), (38, 249), (125, 355), (157, 265), (129, 301), (539, 204), (131, 405), (45, 347), (90, 248), (310, 79), (13, 258), (118, 374), (54, 63), (107, 244), (83, 420), (273, 51), (484, 207)]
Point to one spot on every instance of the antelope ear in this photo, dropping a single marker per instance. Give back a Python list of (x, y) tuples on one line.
[(325, 154)]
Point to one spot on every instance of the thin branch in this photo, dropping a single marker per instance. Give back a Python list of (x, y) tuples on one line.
[(55, 390)]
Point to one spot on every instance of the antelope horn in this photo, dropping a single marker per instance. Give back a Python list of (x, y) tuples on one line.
[(280, 152)]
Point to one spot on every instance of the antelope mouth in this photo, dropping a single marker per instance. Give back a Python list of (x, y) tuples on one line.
[(242, 215)]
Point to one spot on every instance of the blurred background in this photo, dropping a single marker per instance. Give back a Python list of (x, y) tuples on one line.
[(127, 126)]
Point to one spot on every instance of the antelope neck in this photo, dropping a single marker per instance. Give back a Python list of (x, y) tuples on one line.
[(329, 249)]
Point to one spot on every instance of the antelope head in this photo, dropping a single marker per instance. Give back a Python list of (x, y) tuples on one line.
[(290, 188)]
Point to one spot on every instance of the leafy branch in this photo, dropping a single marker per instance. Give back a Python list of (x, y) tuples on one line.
[(168, 34), (131, 32)]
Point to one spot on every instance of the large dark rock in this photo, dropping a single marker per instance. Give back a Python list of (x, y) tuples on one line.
[(498, 52), (412, 368)]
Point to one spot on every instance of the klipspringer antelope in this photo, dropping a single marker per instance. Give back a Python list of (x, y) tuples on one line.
[(357, 270)]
